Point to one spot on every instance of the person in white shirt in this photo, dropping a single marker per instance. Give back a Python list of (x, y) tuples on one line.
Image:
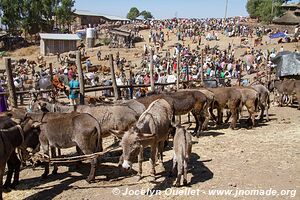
[(171, 78)]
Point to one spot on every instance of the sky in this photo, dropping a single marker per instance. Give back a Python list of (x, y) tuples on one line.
[(162, 9)]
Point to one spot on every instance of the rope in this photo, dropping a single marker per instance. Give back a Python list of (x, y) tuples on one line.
[(46, 158)]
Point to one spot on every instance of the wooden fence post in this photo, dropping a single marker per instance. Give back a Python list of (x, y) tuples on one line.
[(81, 78), (130, 83), (10, 83), (201, 68), (113, 77), (187, 75), (178, 71), (51, 71), (177, 81), (151, 71)]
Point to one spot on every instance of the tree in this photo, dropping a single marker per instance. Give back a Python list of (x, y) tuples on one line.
[(252, 8), (133, 13), (65, 12), (10, 14), (265, 10), (146, 14)]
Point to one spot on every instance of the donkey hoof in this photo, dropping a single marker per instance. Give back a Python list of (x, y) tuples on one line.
[(14, 185), (176, 184), (139, 177), (90, 179), (152, 179), (44, 176), (6, 187), (184, 182)]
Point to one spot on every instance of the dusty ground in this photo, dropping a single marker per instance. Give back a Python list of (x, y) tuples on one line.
[(262, 158)]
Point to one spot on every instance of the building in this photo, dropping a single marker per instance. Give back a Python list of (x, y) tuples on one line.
[(120, 38), (84, 18), (52, 43), (291, 16)]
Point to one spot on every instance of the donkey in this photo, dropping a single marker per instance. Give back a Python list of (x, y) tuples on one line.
[(182, 151)]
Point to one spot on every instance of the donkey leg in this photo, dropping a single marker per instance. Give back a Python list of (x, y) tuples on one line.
[(53, 155), (197, 123), (2, 167), (10, 172), (140, 161), (179, 170), (17, 167), (185, 169), (45, 149), (93, 162), (152, 159)]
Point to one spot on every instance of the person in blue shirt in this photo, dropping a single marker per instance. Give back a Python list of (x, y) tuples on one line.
[(74, 95)]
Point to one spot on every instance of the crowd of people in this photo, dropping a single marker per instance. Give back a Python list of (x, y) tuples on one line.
[(215, 63)]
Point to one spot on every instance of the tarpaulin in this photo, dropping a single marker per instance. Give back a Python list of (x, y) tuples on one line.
[(278, 35), (287, 63)]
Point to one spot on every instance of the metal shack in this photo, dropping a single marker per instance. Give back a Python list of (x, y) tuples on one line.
[(52, 43), (120, 38)]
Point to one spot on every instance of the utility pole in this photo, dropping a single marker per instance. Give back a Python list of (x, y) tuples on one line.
[(226, 6)]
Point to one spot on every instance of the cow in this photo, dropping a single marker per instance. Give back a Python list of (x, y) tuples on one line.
[(151, 129), (264, 100), (226, 97), (182, 151), (67, 130), (11, 138), (182, 102)]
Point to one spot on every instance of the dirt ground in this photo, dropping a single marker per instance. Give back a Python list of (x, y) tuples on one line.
[(263, 158)]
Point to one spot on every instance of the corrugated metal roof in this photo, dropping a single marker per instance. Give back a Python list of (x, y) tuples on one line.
[(56, 36), (90, 13), (120, 32)]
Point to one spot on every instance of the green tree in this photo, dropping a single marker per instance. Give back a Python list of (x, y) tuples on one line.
[(133, 13), (146, 14), (11, 14), (31, 16), (252, 8), (65, 12), (265, 10), (48, 11)]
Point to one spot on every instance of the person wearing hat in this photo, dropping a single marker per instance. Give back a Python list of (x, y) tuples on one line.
[(74, 84)]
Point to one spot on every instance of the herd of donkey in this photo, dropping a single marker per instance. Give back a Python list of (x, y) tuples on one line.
[(137, 123)]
